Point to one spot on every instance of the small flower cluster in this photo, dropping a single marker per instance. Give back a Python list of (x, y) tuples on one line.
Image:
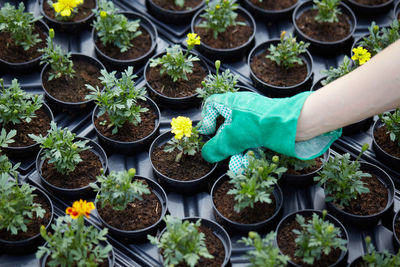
[(328, 10), (65, 9), (392, 122)]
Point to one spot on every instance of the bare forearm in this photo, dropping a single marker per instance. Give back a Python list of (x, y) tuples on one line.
[(368, 90)]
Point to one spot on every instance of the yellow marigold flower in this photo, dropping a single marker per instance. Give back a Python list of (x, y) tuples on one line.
[(193, 39), (217, 7), (283, 33), (103, 14), (181, 126), (80, 208), (65, 7), (361, 55)]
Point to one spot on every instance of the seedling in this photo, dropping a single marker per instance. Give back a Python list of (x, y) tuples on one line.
[(5, 165), (65, 9), (181, 242), (328, 10), (334, 73), (392, 122), (60, 149), (119, 99), (374, 258)]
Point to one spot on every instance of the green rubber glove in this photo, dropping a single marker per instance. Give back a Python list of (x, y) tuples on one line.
[(253, 121)]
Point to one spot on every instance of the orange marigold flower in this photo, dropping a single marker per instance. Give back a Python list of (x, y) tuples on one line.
[(79, 208)]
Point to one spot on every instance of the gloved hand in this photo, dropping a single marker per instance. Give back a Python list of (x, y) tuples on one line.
[(252, 121)]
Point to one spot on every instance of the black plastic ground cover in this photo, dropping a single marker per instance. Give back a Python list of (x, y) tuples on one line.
[(198, 204)]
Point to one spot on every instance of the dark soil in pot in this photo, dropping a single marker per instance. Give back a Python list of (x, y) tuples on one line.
[(313, 168), (170, 4), (234, 36), (273, 4), (382, 138), (84, 10)]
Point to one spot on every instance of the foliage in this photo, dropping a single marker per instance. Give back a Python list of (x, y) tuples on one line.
[(119, 99), (287, 52), (118, 190), (59, 61), (219, 15), (379, 259), (19, 24), (257, 181), (335, 73), (392, 122), (342, 178), (5, 165), (17, 207), (65, 9), (291, 162), (218, 83), (265, 253), (114, 28), (360, 55), (181, 242), (180, 3), (16, 105), (60, 149), (315, 237), (328, 10)]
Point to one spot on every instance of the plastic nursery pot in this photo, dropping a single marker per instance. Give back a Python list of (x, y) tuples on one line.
[(183, 187), (71, 107), (302, 180), (396, 238), (72, 193), (121, 64), (128, 148), (368, 10), (140, 235), (27, 151), (217, 230), (382, 155), (367, 221), (308, 213), (279, 91), (360, 126), (322, 47), (30, 244), (171, 16), (174, 102), (269, 14), (228, 54), (27, 66), (397, 11), (68, 26), (242, 229)]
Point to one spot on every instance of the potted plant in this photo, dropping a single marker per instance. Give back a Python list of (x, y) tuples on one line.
[(312, 238), (174, 11), (21, 36), (265, 253), (370, 7), (176, 159), (130, 206), (125, 120), (174, 75), (251, 200), (356, 193), (68, 15), (72, 243), (67, 164), (281, 68), (227, 30), (269, 9), (193, 242), (5, 165), (26, 113), (23, 208), (122, 39), (386, 138), (328, 25), (65, 75)]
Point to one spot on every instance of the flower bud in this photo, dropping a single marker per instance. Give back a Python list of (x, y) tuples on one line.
[(273, 165), (260, 169), (283, 33), (103, 14), (51, 33), (375, 28), (367, 239), (132, 172), (15, 111), (217, 64), (252, 234), (74, 146), (250, 153), (364, 147), (324, 212), (330, 228), (101, 171), (275, 159)]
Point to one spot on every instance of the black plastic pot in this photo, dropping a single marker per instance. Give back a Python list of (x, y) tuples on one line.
[(27, 151), (72, 193), (183, 187), (321, 47), (70, 107), (367, 221), (309, 212), (30, 244), (174, 102), (120, 64), (361, 126), (28, 66), (369, 10), (303, 180), (128, 148), (268, 15), (172, 16), (382, 155), (397, 10), (235, 228), (280, 91), (396, 240), (218, 231), (229, 54), (67, 26)]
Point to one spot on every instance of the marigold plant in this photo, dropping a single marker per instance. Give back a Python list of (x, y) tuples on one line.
[(373, 258), (65, 9), (5, 165), (392, 122), (328, 10), (291, 162), (334, 73)]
